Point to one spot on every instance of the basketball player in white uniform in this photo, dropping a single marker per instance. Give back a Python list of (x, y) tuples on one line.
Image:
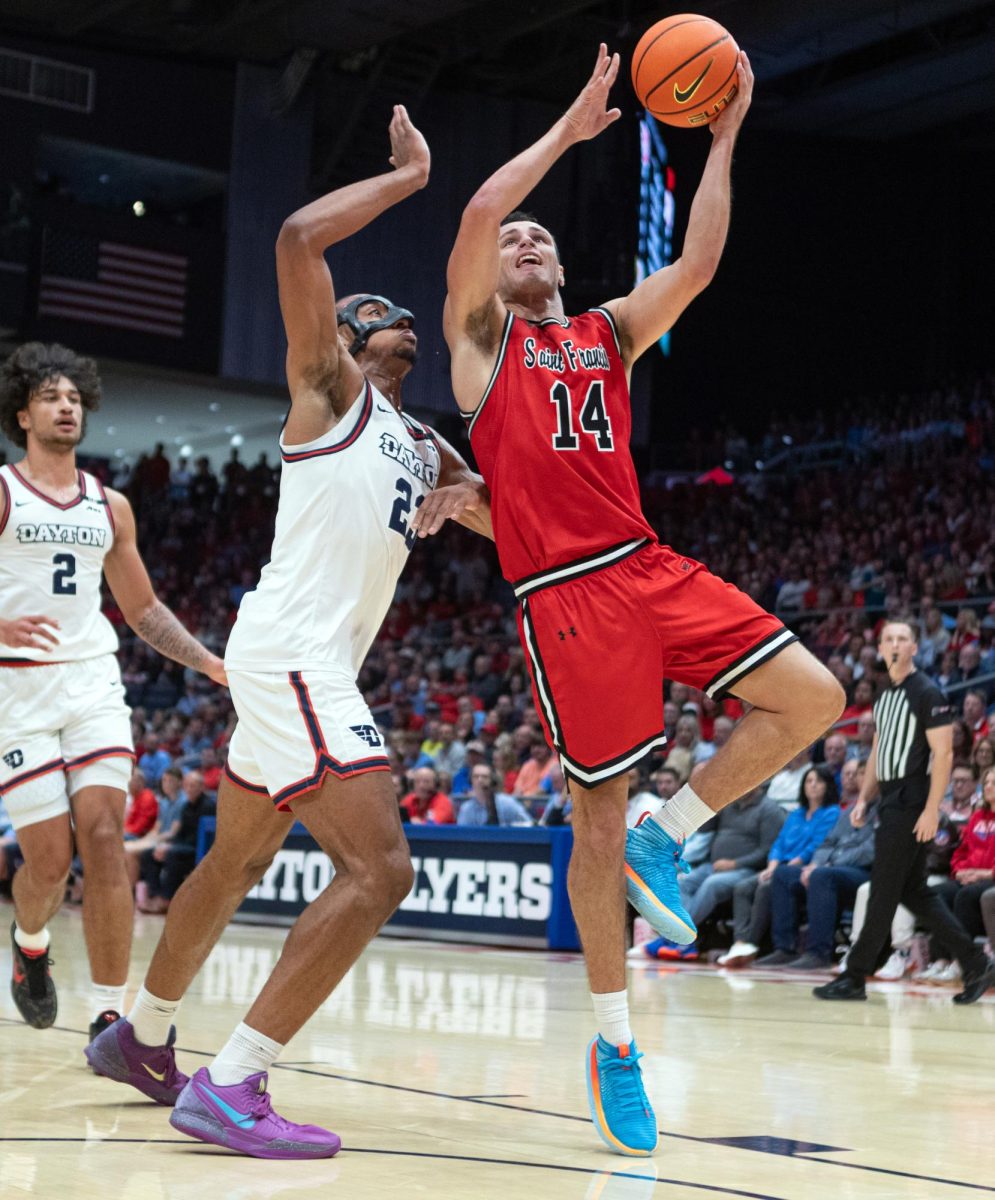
[(65, 734), (359, 484)]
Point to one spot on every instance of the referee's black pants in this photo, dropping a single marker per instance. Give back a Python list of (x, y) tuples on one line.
[(898, 876)]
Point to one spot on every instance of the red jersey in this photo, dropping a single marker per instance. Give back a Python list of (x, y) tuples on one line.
[(551, 439)]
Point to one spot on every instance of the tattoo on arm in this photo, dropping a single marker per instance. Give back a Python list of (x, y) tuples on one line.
[(160, 628)]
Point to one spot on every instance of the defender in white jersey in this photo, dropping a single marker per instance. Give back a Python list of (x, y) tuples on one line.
[(65, 734), (360, 482)]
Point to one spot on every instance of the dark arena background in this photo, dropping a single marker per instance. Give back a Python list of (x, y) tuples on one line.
[(818, 429)]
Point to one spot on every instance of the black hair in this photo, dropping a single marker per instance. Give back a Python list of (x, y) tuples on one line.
[(521, 215), (31, 366), (832, 793), (908, 622)]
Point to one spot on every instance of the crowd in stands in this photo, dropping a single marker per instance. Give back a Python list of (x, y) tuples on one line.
[(902, 522)]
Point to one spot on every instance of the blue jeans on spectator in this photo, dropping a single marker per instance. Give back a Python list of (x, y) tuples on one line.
[(704, 889), (829, 891)]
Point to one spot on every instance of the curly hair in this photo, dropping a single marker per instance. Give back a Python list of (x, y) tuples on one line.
[(34, 364)]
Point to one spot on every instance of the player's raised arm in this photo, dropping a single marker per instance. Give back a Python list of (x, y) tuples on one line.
[(141, 607), (324, 380), (646, 314), (472, 273), (461, 496)]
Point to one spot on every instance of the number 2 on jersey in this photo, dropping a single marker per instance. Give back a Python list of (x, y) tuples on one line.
[(593, 417), (399, 513), (65, 565)]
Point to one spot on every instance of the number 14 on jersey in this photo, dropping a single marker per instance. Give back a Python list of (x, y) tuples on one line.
[(594, 420)]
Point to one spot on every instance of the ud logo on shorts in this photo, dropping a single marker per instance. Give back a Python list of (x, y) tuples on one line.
[(369, 733), (14, 759)]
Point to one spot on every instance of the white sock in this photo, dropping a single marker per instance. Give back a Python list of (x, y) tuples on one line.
[(612, 1011), (246, 1052), (31, 941), (151, 1017), (683, 814), (106, 997)]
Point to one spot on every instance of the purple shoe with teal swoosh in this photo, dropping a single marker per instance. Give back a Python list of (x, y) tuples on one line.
[(117, 1054), (241, 1117)]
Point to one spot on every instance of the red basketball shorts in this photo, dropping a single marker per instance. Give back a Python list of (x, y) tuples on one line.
[(602, 634)]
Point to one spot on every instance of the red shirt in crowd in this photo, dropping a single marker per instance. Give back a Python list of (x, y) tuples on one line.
[(976, 851), (143, 810), (437, 810), (850, 715)]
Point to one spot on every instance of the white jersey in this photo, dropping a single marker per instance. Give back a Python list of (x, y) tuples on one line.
[(342, 538), (51, 559)]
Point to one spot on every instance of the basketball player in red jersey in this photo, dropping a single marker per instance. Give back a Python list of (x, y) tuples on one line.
[(606, 613)]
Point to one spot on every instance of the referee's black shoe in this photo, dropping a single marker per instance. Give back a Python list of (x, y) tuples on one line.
[(977, 982), (843, 987), (32, 987)]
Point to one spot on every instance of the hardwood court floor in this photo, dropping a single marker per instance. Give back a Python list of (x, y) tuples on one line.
[(458, 1072)]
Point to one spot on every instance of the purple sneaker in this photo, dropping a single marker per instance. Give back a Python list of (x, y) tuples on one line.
[(241, 1117), (152, 1069)]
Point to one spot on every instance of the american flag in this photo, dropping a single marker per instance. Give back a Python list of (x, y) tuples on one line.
[(108, 283)]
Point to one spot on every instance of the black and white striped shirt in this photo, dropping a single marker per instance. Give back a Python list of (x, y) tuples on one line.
[(902, 714)]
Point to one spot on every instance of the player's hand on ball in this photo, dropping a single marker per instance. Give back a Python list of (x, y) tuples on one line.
[(408, 148), (33, 632), (589, 114), (445, 504), (727, 123)]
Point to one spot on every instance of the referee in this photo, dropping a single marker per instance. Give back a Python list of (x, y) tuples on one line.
[(912, 718)]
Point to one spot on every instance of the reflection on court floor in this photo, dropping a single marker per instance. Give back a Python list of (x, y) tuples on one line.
[(457, 1072)]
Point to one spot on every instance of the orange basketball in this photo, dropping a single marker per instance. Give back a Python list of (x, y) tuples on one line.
[(684, 69)]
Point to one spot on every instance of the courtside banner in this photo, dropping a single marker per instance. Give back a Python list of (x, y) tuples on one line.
[(498, 886)]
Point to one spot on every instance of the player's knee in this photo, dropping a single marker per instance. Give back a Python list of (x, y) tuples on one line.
[(101, 844), (50, 870), (397, 877)]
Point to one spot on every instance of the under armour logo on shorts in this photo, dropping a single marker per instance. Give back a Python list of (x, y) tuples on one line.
[(369, 733), (14, 759)]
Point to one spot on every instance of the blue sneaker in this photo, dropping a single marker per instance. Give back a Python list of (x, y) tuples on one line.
[(663, 948), (620, 1109), (652, 860)]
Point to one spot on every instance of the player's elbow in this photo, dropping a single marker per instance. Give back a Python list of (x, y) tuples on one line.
[(485, 208), (294, 236)]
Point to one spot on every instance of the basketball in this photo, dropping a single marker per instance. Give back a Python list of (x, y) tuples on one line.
[(684, 70)]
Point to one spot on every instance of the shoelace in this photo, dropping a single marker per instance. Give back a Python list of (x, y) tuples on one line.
[(633, 1099), (36, 972)]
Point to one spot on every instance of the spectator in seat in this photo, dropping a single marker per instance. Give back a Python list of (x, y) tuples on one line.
[(834, 754), (681, 756), (451, 754), (972, 867), (141, 808), (983, 756), (210, 768), (154, 760), (164, 866), (828, 885), (934, 639), (722, 727), (815, 812), (851, 777), (860, 747), (786, 784), (862, 702), (976, 716), (425, 804), (968, 669), (528, 782), (640, 800), (485, 806), (745, 831), (476, 753)]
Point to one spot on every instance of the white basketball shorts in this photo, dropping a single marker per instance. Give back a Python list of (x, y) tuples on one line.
[(63, 727), (296, 727)]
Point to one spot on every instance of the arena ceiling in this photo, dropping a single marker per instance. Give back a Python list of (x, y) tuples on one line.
[(865, 68)]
